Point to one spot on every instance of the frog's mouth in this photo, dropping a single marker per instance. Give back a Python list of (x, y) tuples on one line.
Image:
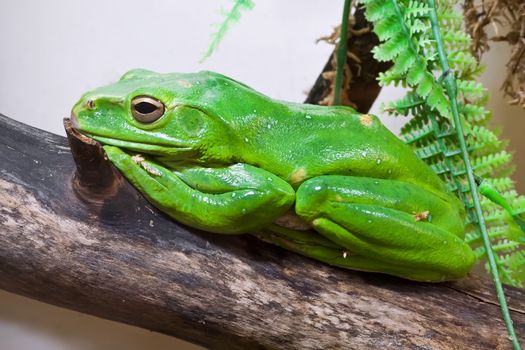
[(170, 151), (140, 147)]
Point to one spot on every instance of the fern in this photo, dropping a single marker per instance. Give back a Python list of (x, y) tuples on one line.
[(405, 31), (230, 17), (448, 130)]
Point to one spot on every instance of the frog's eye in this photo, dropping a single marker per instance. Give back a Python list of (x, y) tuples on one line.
[(146, 109)]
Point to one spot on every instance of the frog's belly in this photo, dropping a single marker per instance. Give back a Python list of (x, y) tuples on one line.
[(292, 221)]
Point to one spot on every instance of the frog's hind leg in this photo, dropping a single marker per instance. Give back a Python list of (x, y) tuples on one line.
[(313, 245), (388, 226)]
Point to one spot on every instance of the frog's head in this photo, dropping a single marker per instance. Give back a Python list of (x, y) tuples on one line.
[(167, 115)]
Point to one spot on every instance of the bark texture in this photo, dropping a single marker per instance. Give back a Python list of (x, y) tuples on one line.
[(115, 256)]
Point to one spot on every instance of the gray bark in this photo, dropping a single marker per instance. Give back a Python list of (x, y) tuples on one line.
[(113, 255)]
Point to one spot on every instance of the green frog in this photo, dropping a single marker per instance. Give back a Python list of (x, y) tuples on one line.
[(326, 182)]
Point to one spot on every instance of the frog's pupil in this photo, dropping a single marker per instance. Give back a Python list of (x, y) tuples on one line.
[(145, 107)]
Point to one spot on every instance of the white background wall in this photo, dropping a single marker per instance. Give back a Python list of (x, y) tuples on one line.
[(52, 51)]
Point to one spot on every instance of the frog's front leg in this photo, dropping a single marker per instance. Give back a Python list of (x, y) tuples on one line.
[(388, 226), (230, 199)]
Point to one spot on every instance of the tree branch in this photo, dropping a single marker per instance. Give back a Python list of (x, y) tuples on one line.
[(117, 257), (362, 68)]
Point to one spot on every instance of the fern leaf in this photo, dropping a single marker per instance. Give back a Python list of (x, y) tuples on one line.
[(474, 114), (405, 106), (471, 89), (230, 18), (391, 48), (403, 26)]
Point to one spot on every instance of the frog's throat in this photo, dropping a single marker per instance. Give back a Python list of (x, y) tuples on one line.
[(146, 148)]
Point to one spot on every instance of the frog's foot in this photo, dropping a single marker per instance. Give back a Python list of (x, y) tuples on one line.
[(231, 199), (387, 226)]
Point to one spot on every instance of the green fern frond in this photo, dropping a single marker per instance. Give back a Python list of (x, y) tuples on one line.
[(501, 184), (230, 17), (410, 104), (504, 246), (396, 44), (515, 263), (403, 27), (388, 27), (464, 62), (430, 151), (474, 114), (485, 165), (390, 78), (471, 90), (418, 26), (416, 9), (392, 26), (378, 9), (519, 202), (424, 133), (480, 135), (452, 20), (473, 237), (457, 40)]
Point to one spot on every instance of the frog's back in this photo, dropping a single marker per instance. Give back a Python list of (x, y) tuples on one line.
[(303, 141), (300, 141)]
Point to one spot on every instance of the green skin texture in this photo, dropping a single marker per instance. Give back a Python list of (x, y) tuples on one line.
[(226, 159)]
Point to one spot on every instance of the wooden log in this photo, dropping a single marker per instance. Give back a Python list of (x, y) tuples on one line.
[(363, 88), (115, 256)]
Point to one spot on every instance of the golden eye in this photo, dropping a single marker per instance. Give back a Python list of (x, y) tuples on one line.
[(146, 109)]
